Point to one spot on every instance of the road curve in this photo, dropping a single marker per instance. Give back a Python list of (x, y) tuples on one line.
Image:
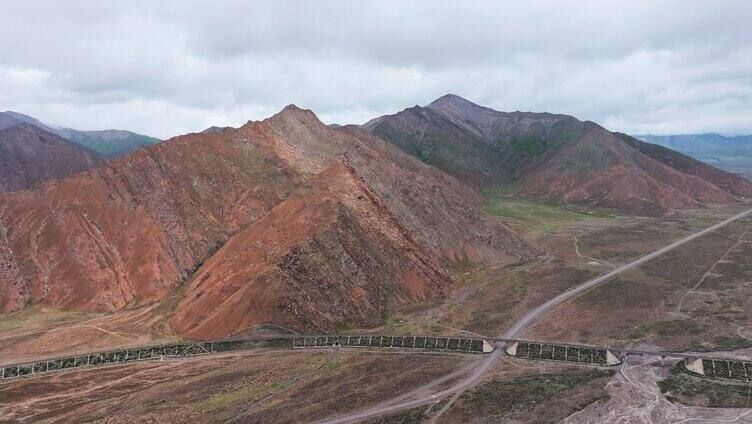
[(531, 316)]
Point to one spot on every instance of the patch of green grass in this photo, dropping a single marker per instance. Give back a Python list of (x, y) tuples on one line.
[(530, 214), (222, 400), (731, 342), (332, 366), (398, 325), (115, 147), (342, 327), (528, 146), (458, 268), (277, 386)]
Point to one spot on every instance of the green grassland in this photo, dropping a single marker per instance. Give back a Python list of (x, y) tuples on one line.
[(532, 215)]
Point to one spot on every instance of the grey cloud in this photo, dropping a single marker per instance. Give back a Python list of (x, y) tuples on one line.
[(163, 68)]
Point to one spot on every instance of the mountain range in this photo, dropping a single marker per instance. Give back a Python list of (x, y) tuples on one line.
[(108, 143), (555, 157), (733, 154), (289, 221), (703, 144), (283, 220)]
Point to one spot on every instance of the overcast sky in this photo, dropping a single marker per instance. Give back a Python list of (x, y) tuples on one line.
[(639, 67)]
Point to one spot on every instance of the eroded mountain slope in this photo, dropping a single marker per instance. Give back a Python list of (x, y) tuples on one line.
[(331, 254), (555, 157), (133, 231)]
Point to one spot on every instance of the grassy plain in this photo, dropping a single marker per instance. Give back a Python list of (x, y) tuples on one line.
[(530, 215), (693, 298)]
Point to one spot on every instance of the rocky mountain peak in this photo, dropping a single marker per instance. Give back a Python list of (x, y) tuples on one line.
[(452, 103), (292, 112)]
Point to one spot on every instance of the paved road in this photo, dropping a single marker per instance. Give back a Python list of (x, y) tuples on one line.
[(540, 310), (536, 313)]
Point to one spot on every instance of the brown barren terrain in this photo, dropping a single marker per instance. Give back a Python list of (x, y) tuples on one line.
[(339, 210), (252, 387)]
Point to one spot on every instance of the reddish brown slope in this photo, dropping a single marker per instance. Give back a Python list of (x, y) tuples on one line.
[(331, 254), (556, 157), (441, 211), (601, 169), (129, 233), (732, 183), (30, 156)]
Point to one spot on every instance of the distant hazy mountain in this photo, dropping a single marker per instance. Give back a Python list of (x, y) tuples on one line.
[(732, 154), (703, 144), (30, 155), (109, 143)]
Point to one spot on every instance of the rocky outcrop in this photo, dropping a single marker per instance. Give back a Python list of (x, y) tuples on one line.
[(441, 210)]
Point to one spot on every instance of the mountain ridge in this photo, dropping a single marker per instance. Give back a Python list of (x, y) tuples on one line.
[(555, 157), (160, 220), (109, 143), (30, 156), (269, 221), (703, 143)]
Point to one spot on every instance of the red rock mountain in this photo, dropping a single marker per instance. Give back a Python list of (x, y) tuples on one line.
[(555, 157), (283, 220), (330, 254), (30, 156)]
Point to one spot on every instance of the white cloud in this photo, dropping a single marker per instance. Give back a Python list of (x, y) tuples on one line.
[(164, 68)]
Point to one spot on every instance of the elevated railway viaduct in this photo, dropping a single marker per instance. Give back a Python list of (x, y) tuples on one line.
[(698, 363)]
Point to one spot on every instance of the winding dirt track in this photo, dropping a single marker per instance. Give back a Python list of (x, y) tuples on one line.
[(489, 361)]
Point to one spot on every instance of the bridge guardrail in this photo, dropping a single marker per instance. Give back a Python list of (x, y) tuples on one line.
[(455, 344), (727, 369), (565, 353), (185, 349), (141, 353)]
